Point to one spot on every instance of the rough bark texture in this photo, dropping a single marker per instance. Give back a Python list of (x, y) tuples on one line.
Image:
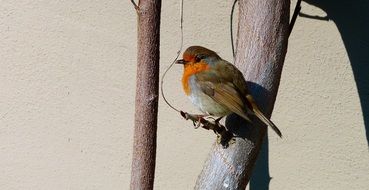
[(261, 47), (144, 145)]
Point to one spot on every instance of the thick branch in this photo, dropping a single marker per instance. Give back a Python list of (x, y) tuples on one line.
[(144, 145), (261, 47)]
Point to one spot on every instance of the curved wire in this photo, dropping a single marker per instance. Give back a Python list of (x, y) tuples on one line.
[(174, 61), (231, 27)]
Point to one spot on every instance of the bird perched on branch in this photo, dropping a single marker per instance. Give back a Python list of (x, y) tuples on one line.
[(217, 87)]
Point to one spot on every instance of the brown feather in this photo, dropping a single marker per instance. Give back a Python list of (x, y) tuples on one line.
[(226, 95), (261, 116)]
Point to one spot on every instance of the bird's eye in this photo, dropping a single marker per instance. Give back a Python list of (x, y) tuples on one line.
[(198, 58)]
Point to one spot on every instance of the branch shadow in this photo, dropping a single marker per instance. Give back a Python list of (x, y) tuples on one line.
[(352, 21)]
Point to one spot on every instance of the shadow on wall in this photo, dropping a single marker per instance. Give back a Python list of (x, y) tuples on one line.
[(352, 21)]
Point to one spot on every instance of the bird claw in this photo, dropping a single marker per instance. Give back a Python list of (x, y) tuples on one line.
[(194, 124), (196, 119), (198, 124), (225, 138), (219, 138)]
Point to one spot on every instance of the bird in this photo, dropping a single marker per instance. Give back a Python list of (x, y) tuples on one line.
[(216, 87)]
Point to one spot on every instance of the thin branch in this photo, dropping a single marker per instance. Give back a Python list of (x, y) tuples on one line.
[(224, 136), (135, 5), (295, 14)]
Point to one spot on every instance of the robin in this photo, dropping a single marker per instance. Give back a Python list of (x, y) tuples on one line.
[(217, 87)]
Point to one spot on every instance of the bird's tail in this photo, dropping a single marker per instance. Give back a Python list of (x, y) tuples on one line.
[(262, 117)]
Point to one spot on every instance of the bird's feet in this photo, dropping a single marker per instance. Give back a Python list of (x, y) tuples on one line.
[(224, 137), (196, 119)]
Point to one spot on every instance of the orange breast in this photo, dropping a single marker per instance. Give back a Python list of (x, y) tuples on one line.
[(189, 70)]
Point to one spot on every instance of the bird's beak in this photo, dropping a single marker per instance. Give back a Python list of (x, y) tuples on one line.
[(180, 61)]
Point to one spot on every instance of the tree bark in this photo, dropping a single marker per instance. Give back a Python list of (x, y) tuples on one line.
[(261, 48), (147, 85)]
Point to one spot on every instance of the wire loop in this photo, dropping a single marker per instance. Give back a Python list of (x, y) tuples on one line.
[(174, 61)]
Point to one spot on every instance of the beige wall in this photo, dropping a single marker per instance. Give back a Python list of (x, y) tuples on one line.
[(67, 80)]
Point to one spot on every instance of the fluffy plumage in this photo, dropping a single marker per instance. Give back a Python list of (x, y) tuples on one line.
[(217, 87)]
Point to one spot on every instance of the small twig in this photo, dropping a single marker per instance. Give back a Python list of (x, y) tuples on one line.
[(135, 5), (224, 135), (205, 123), (294, 16)]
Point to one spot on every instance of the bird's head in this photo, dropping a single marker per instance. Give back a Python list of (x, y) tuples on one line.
[(196, 59), (197, 56)]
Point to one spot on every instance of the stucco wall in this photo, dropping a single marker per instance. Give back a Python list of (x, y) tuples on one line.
[(67, 80)]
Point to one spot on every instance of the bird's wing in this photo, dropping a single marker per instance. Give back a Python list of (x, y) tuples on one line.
[(261, 115), (230, 90), (225, 94)]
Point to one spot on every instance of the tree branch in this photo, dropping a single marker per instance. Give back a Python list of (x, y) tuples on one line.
[(147, 90), (263, 31)]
